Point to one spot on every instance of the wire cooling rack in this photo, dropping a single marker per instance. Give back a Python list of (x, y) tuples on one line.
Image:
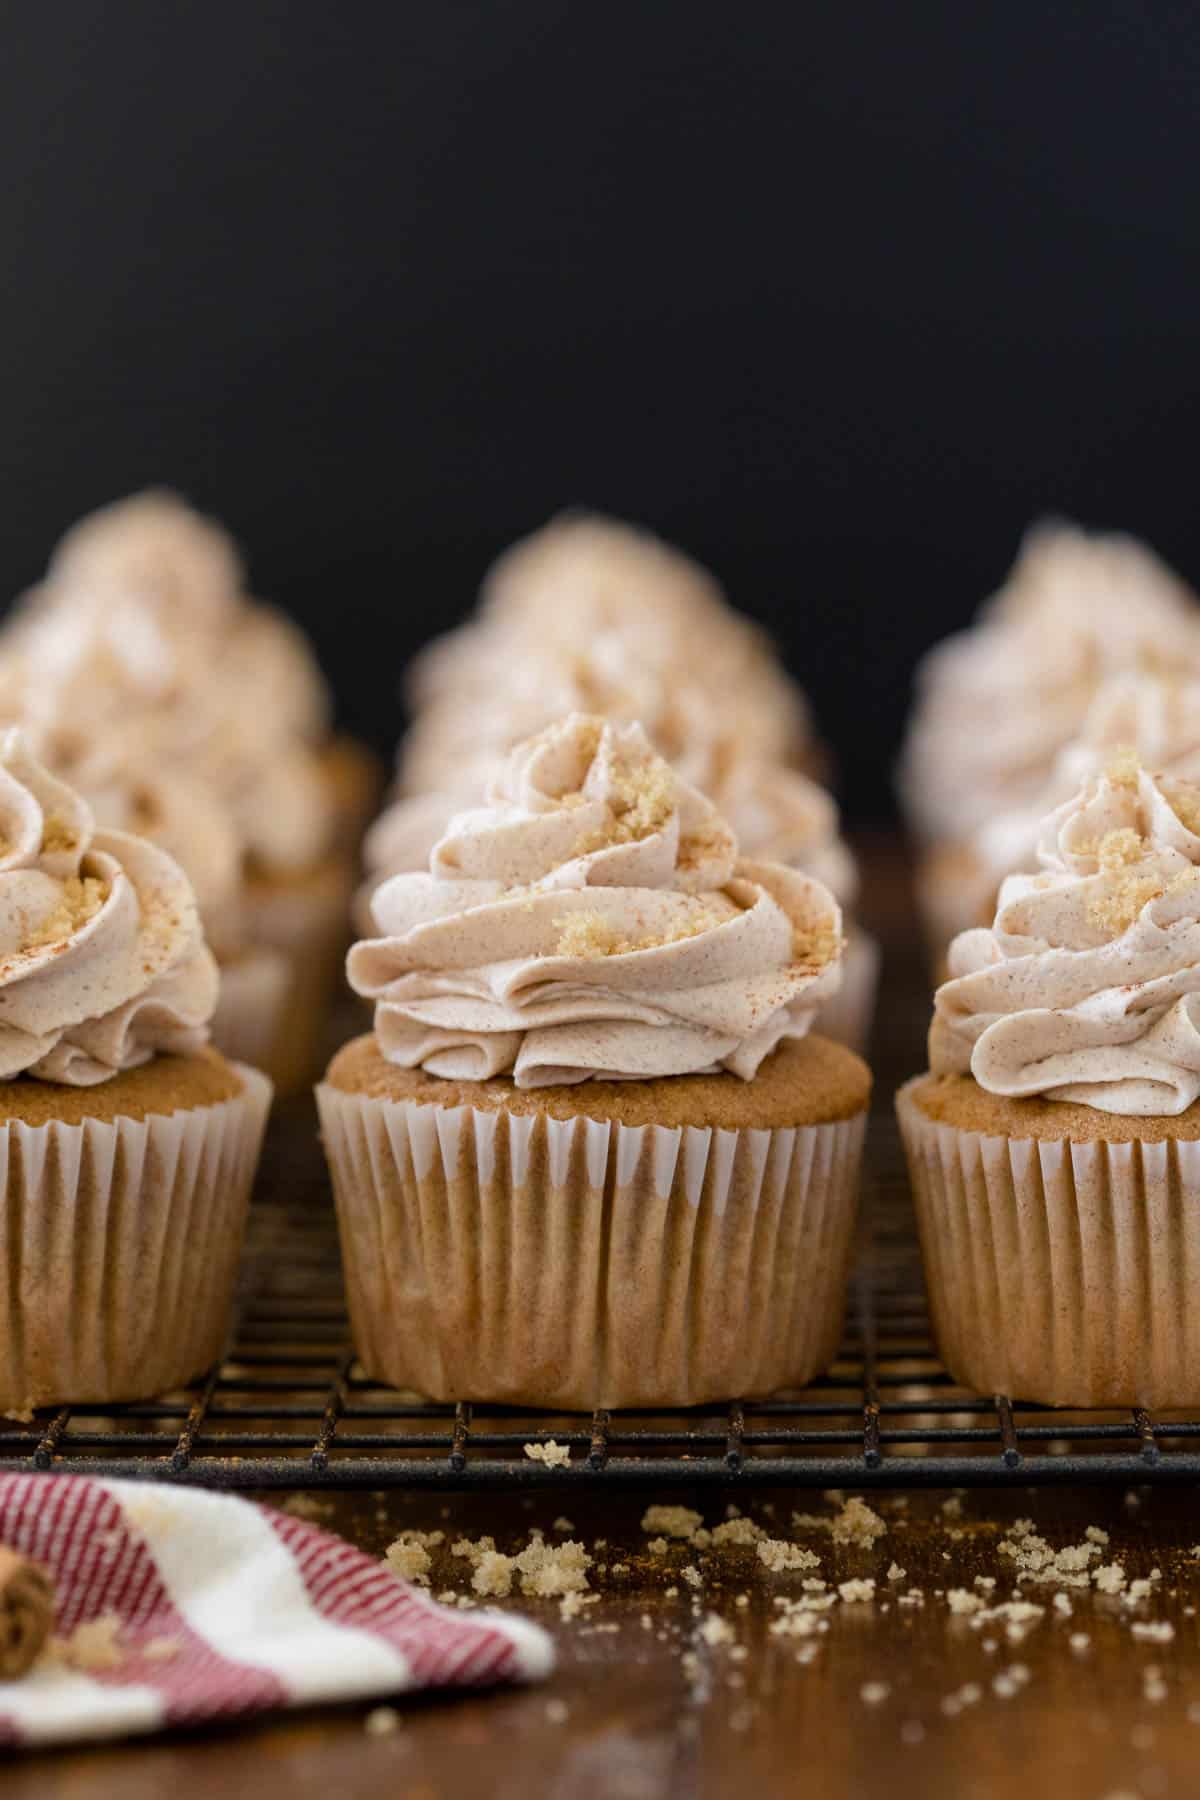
[(289, 1407)]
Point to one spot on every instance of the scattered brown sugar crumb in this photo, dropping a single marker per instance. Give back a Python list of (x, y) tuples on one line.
[(963, 1602), (80, 900), (672, 1521), (554, 1456), (92, 1645), (408, 1555), (738, 1531), (1110, 1579), (857, 1524), (780, 1557), (715, 1630), (381, 1721), (874, 1693), (852, 1591), (493, 1574), (896, 1573), (548, 1570)]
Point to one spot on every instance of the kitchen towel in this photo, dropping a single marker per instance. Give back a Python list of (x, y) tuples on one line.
[(176, 1606)]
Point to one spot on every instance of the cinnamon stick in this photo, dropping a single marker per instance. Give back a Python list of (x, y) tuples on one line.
[(26, 1612)]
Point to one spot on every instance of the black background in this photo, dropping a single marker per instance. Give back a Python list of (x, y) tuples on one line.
[(837, 296)]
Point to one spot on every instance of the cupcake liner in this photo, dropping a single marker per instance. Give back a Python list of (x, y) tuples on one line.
[(577, 1263), (847, 1016), (248, 1019), (120, 1241), (1060, 1272)]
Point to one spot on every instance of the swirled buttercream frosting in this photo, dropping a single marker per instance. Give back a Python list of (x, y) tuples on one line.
[(1087, 985), (102, 957), (594, 919)]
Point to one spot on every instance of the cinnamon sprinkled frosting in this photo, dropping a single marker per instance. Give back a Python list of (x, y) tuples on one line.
[(594, 920), (1087, 986), (102, 957)]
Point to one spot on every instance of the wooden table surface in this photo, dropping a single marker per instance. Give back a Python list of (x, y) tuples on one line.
[(643, 1705)]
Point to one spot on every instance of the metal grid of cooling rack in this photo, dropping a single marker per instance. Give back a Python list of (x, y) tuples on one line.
[(289, 1408)]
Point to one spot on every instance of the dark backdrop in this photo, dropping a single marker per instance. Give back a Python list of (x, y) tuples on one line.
[(835, 295)]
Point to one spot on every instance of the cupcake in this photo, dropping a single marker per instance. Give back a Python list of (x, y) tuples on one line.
[(142, 636), (129, 1145), (648, 615), (1077, 609), (1053, 1146), (592, 1154)]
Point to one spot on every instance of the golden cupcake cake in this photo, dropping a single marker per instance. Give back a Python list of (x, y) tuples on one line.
[(592, 1153), (129, 1146), (1054, 1146)]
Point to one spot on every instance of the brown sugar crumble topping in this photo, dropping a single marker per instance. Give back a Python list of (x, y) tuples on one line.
[(591, 935), (81, 899), (57, 833)]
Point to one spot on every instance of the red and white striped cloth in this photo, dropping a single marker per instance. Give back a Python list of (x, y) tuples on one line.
[(226, 1609)]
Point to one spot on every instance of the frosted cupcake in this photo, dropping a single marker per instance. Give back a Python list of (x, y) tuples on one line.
[(999, 704), (1054, 1145), (129, 1147), (592, 1153), (142, 636)]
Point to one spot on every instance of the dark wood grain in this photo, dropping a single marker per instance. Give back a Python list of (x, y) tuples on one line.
[(657, 1711)]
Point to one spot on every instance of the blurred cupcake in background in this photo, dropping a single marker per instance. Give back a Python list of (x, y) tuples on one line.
[(998, 704), (143, 638), (633, 604), (593, 1153)]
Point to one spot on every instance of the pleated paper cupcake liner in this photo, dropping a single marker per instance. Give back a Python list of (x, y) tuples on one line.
[(578, 1264), (120, 1241), (1060, 1272), (250, 1009), (847, 1016)]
